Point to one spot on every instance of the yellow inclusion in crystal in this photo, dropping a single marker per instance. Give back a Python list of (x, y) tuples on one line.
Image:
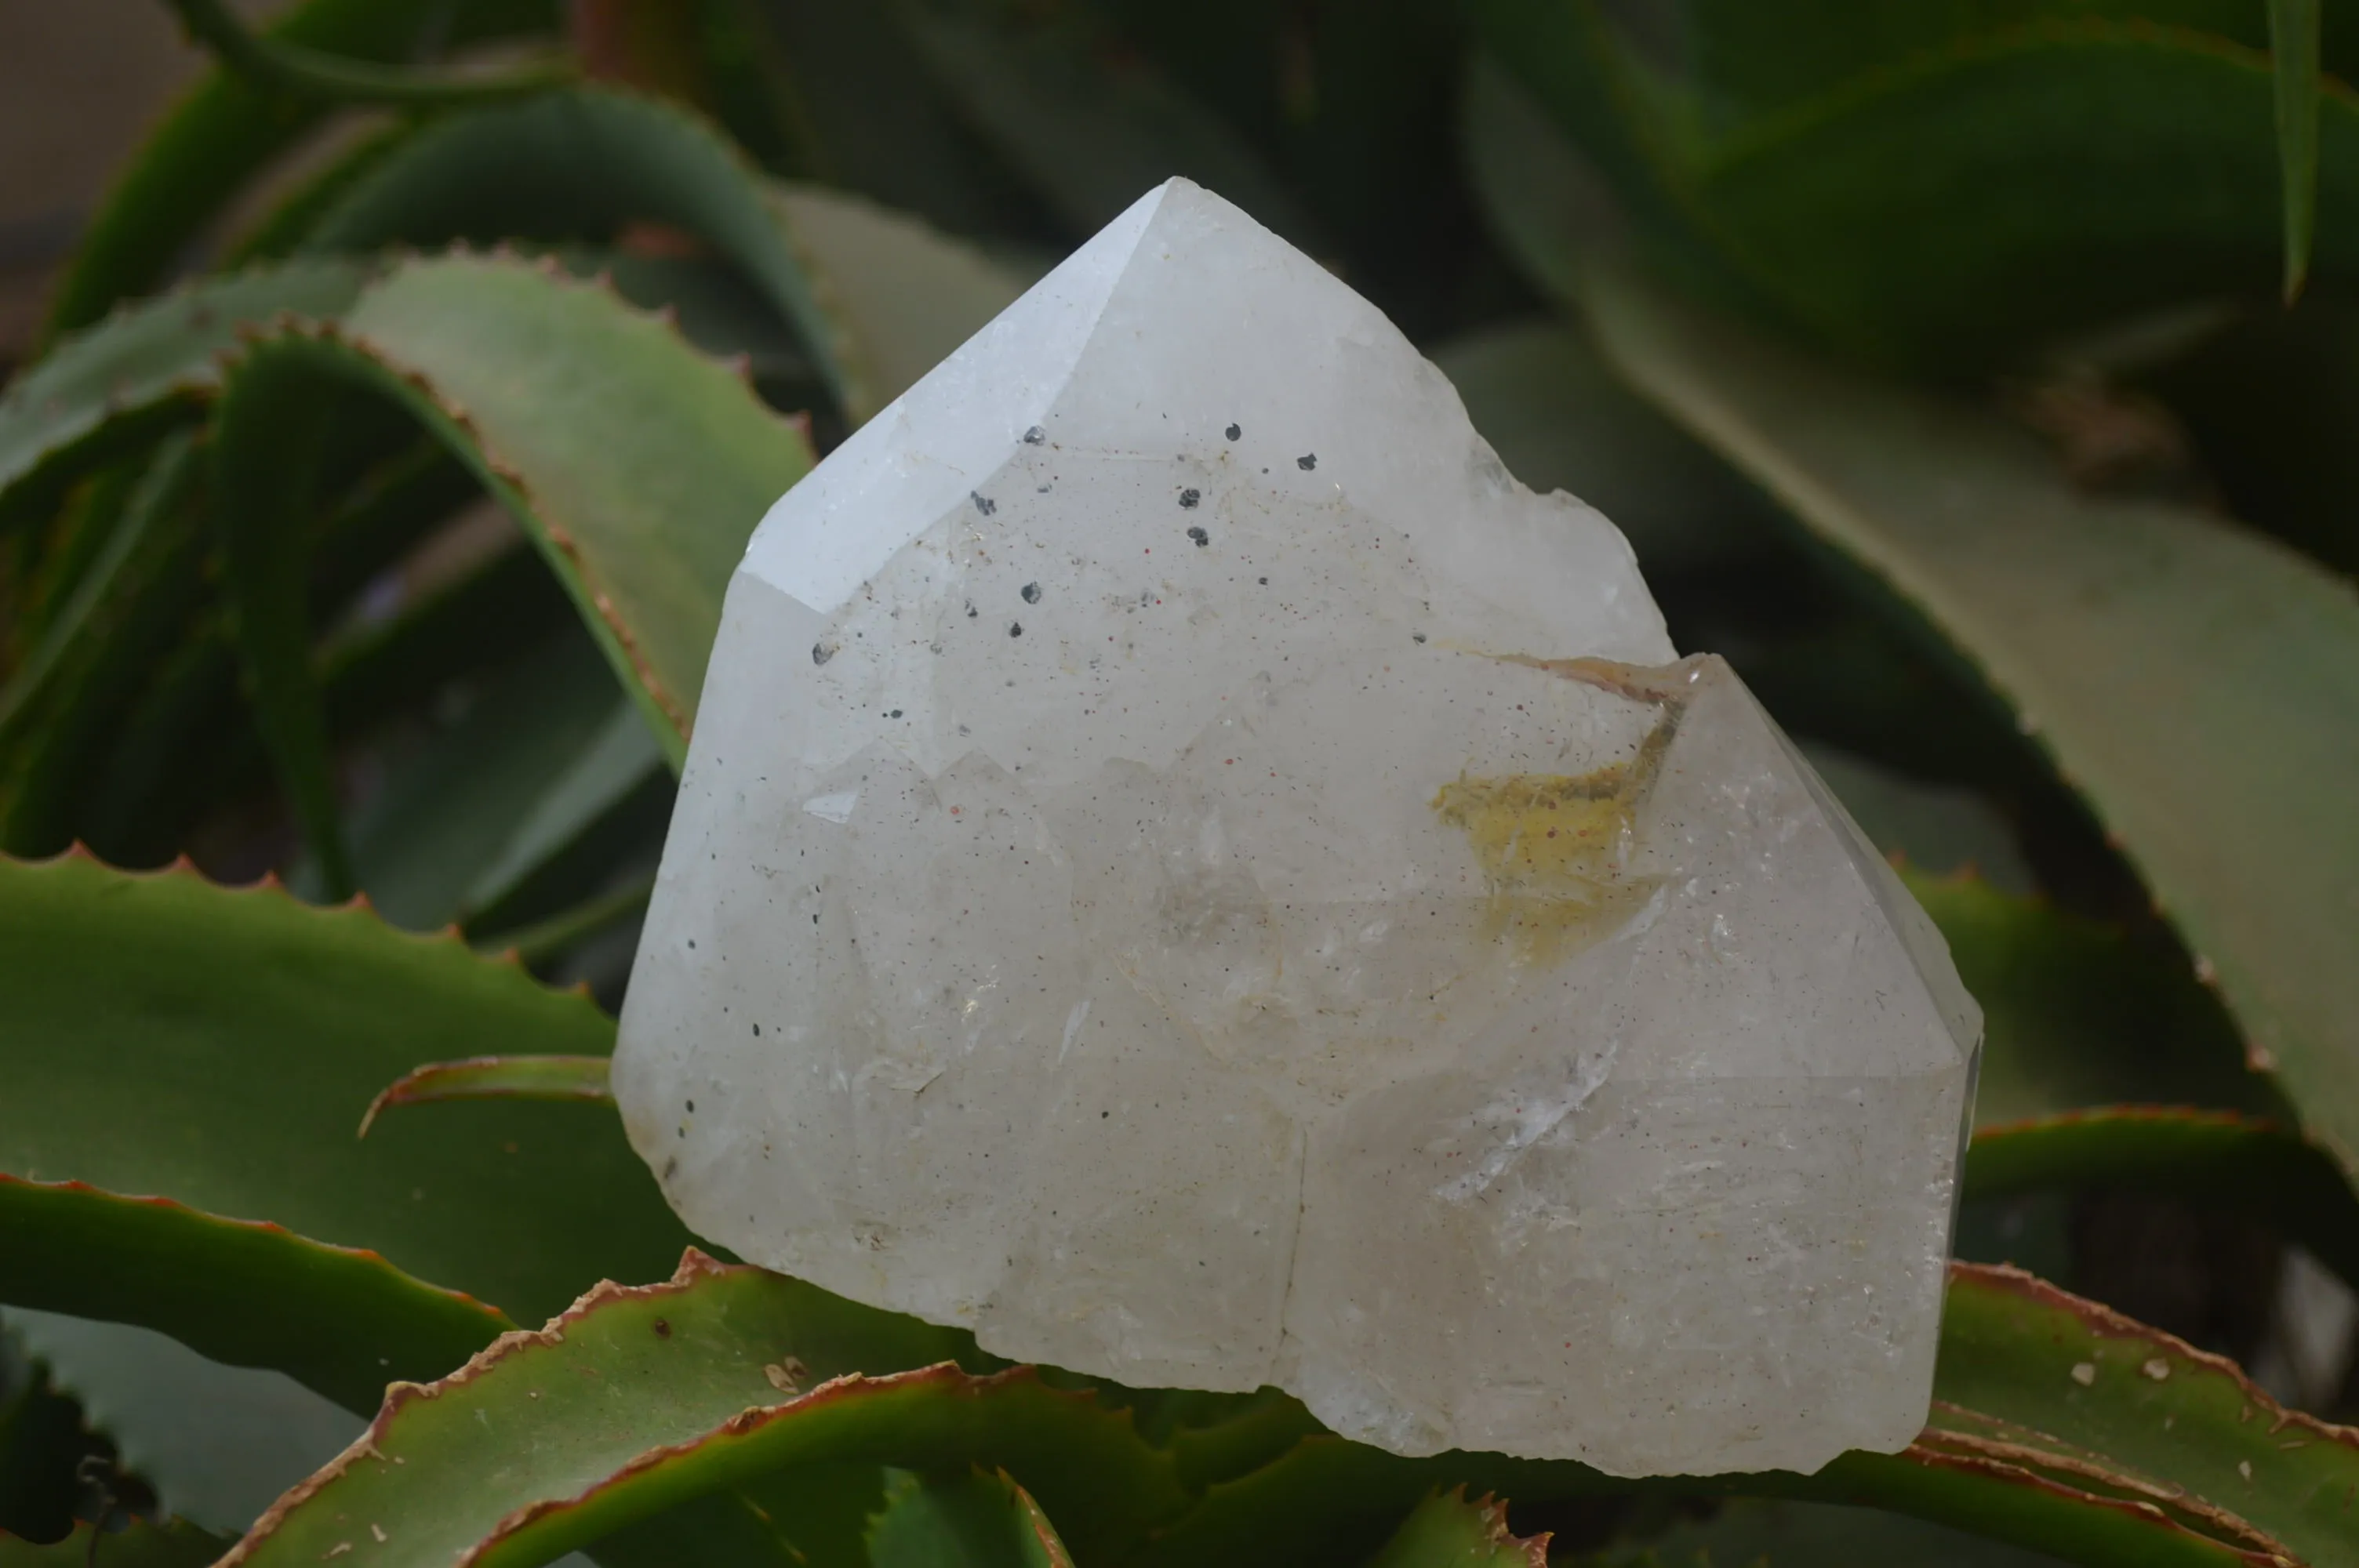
[(1550, 846)]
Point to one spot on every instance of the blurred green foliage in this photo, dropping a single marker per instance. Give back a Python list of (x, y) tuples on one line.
[(1979, 377)]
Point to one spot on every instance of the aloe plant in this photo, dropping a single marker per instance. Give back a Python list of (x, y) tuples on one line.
[(1974, 377)]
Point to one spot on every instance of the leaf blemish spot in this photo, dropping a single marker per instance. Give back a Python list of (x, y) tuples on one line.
[(2084, 1373)]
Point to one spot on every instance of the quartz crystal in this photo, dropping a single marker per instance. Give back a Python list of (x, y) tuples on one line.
[(1187, 869)]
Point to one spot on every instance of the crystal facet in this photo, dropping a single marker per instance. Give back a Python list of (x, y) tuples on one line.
[(1187, 868)]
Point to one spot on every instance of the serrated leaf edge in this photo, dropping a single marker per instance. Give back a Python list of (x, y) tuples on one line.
[(269, 884), (286, 327), (364, 1256)]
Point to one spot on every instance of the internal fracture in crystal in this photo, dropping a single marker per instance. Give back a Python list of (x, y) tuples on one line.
[(1187, 868)]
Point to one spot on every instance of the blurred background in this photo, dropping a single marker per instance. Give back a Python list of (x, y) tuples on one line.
[(1979, 378), (79, 85)]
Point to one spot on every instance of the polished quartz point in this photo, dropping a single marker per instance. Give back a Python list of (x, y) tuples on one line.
[(1187, 869)]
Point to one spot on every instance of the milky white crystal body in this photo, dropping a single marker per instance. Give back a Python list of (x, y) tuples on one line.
[(1111, 904)]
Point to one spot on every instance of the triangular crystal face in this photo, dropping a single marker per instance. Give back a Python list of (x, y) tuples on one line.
[(1187, 869)]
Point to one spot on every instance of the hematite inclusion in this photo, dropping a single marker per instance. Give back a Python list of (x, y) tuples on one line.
[(1337, 944)]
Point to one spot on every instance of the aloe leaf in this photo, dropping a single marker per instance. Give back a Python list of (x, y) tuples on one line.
[(576, 1078), (1898, 203), (384, 515), (500, 611), (544, 762), (641, 1398), (273, 418), (306, 73), (2269, 402), (903, 294), (866, 121), (340, 1320), (581, 164), (223, 131), (2115, 629), (64, 634), (876, 298), (2205, 1156), (1755, 1533), (718, 311), (1561, 420), (75, 693), (161, 1034), (139, 1544), (2076, 1395), (2077, 1012), (278, 231), (1751, 64), (109, 388), (614, 785), (974, 1521), (1090, 124), (1540, 189), (1936, 829), (217, 1443), (574, 410), (545, 941), (2293, 49), (2050, 1429), (1448, 1531)]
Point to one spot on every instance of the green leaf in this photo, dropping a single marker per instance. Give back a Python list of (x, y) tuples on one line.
[(974, 1521), (42, 1442), (278, 231), (243, 1292), (274, 420), (1448, 1531), (610, 789), (866, 120), (384, 515), (1560, 420), (1748, 1533), (2114, 1465), (544, 941), (546, 754), (76, 694), (1542, 194), (65, 647), (719, 312), (2076, 1395), (1962, 203), (2079, 1013), (2270, 404), (576, 1078), (223, 132), (639, 1399), (218, 1443), (111, 388), (275, 64), (2199, 686), (580, 164), (2293, 49), (1936, 828), (1090, 124), (575, 412), (160, 1034), (502, 610), (2290, 1186), (902, 294), (138, 1544)]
